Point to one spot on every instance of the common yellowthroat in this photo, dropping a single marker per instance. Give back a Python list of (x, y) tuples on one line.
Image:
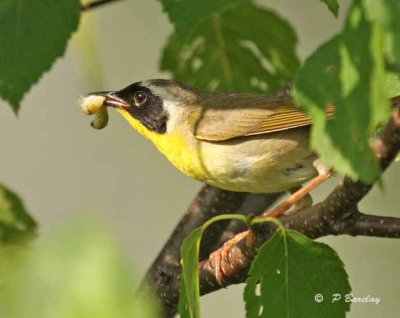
[(234, 141)]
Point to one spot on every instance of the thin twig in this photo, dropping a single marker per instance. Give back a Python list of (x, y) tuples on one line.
[(95, 4)]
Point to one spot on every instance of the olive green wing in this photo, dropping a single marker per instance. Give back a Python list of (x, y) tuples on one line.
[(249, 114)]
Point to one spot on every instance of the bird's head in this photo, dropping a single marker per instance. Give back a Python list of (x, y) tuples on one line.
[(152, 106)]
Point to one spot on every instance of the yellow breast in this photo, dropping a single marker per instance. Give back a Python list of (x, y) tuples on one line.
[(182, 152)]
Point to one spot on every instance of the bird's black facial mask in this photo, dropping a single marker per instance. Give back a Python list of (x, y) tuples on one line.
[(144, 106)]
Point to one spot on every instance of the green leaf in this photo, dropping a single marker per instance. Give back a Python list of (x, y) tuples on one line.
[(347, 72), (189, 300), (185, 14), (244, 49), (291, 270), (189, 303), (15, 222), (386, 13), (333, 6), (33, 34), (78, 271)]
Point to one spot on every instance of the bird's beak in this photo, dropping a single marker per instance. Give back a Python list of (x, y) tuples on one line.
[(111, 99), (92, 103)]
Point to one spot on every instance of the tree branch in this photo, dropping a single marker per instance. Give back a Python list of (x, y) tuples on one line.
[(209, 202), (94, 4), (336, 215), (369, 225)]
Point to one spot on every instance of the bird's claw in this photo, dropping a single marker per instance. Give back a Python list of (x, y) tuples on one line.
[(222, 255)]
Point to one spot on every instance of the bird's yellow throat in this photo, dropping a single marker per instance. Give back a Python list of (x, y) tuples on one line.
[(183, 155)]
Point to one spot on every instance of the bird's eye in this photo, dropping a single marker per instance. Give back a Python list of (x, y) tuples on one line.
[(140, 98)]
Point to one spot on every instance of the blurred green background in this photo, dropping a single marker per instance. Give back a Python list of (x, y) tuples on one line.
[(63, 169)]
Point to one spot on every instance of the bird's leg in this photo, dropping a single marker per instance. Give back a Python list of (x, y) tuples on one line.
[(300, 199), (303, 192), (304, 203), (222, 254)]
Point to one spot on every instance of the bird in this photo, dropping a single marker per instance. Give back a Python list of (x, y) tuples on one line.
[(243, 142)]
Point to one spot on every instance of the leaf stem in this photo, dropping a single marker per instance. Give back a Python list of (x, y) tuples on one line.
[(264, 219), (240, 217)]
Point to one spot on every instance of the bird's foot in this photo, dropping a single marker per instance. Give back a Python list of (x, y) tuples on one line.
[(222, 255)]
